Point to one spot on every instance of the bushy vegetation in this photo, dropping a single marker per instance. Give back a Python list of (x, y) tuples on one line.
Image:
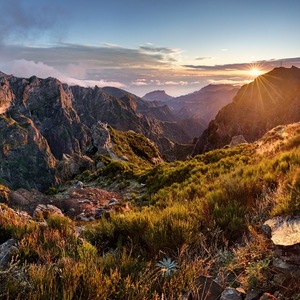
[(135, 146), (201, 217)]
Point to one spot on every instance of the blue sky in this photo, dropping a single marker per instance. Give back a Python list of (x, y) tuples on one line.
[(140, 46)]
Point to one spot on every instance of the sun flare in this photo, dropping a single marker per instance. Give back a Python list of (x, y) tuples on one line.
[(255, 72)]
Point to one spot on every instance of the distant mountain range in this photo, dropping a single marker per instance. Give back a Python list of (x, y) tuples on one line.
[(159, 95), (202, 105), (270, 100)]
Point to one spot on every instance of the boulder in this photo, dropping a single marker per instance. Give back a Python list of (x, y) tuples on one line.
[(73, 165), (45, 211), (26, 200), (7, 250), (285, 235)]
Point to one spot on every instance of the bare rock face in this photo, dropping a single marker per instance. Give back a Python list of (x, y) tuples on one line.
[(26, 159), (101, 138), (72, 165), (49, 103), (237, 140)]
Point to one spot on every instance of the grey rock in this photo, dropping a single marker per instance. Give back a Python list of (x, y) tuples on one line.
[(207, 288), (253, 294), (285, 235), (231, 294), (285, 231), (112, 201), (7, 250), (79, 185), (73, 165), (46, 210)]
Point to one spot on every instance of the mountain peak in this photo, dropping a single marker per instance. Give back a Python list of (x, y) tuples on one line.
[(158, 95), (268, 101), (2, 74)]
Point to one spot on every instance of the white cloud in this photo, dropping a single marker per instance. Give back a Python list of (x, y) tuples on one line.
[(25, 68), (139, 82)]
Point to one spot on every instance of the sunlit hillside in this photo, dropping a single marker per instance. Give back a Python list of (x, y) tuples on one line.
[(200, 217)]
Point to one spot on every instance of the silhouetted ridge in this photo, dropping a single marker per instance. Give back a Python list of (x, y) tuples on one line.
[(270, 100)]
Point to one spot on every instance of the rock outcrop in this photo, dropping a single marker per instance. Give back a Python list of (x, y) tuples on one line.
[(26, 159)]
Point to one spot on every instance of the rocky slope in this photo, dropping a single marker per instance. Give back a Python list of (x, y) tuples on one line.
[(270, 100)]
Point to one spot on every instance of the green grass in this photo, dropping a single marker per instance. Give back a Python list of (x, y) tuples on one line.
[(192, 212)]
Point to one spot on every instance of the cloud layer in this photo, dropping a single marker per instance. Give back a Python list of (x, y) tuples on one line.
[(138, 70)]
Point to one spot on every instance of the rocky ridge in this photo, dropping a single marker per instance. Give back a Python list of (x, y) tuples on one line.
[(270, 100)]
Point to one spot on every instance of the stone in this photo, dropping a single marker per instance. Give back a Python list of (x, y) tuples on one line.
[(253, 294), (285, 235), (231, 294), (207, 288), (285, 231), (79, 185), (112, 201), (26, 200), (46, 210), (267, 296), (7, 250)]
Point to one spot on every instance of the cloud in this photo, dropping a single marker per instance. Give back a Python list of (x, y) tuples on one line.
[(24, 68), (21, 20), (167, 54), (140, 82), (264, 64), (139, 70), (204, 58)]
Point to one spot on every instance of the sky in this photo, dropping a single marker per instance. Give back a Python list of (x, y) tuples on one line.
[(141, 46)]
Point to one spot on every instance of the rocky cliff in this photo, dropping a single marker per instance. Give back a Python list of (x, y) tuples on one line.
[(270, 100)]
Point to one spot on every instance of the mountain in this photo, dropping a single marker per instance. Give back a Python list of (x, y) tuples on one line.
[(125, 111), (159, 95), (194, 111), (43, 121), (205, 103), (270, 100)]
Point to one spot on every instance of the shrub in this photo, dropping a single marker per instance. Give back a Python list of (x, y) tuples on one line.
[(4, 193)]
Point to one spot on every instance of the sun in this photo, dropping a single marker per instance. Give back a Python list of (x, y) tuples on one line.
[(255, 72)]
